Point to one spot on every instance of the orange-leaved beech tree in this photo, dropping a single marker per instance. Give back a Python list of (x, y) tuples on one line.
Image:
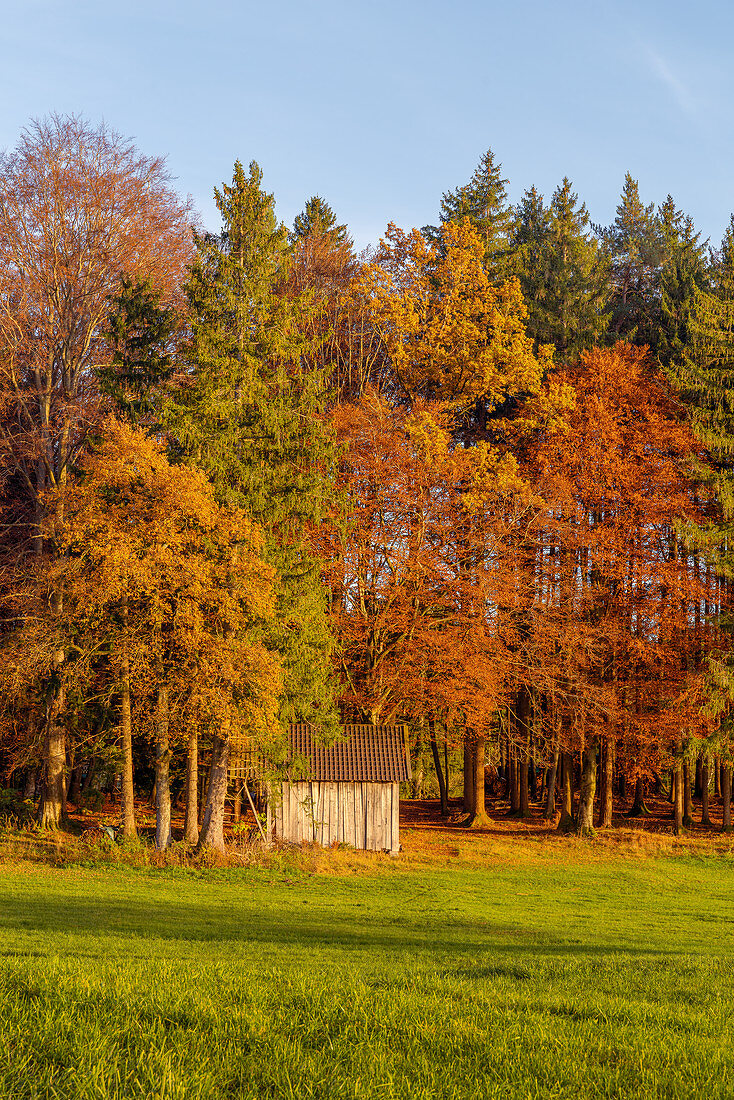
[(79, 208), (455, 340), (164, 597), (421, 586), (615, 630)]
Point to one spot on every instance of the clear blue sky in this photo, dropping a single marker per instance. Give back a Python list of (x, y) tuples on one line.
[(380, 107)]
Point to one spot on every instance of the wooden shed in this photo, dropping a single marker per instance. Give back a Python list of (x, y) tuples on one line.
[(350, 793)]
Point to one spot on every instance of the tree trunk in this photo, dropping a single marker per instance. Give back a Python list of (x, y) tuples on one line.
[(480, 819), (212, 828), (687, 801), (162, 773), (705, 818), (51, 808), (191, 825), (698, 781), (508, 776), (607, 784), (29, 791), (75, 786), (585, 823), (91, 775), (469, 778), (446, 772), (671, 792), (566, 822), (443, 795), (126, 730), (523, 768), (726, 795), (418, 777), (678, 798), (639, 809), (206, 779), (523, 711), (514, 781), (717, 777), (550, 798), (65, 776)]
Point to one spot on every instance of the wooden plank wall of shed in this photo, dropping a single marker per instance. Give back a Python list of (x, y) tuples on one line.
[(365, 815)]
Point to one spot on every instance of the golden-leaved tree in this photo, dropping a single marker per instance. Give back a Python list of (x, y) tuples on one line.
[(79, 208), (164, 597), (448, 332)]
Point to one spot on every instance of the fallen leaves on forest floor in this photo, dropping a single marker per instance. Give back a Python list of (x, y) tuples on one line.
[(428, 843)]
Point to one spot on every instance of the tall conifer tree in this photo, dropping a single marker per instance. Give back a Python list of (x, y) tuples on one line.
[(562, 271), (140, 331), (252, 417), (704, 369), (701, 365), (530, 260), (685, 271), (484, 203), (636, 248), (318, 219)]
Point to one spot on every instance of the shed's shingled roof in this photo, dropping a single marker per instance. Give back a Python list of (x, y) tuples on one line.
[(369, 754)]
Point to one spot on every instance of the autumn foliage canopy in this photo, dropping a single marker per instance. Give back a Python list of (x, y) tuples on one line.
[(251, 475)]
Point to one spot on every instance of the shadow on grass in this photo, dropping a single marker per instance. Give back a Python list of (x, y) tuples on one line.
[(100, 918)]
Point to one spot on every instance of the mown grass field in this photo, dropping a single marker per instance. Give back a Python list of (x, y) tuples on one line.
[(491, 969)]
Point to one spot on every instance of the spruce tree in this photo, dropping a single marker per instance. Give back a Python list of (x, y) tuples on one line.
[(140, 331), (636, 249), (703, 371), (252, 417), (578, 275), (701, 366), (684, 272), (318, 219), (530, 240), (562, 271), (484, 203)]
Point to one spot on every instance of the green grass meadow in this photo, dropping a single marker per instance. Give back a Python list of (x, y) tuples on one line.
[(557, 977)]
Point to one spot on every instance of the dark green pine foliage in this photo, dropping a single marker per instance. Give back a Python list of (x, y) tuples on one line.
[(636, 249), (703, 372), (253, 418), (319, 220), (562, 270), (530, 258), (685, 271), (483, 201), (140, 332)]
